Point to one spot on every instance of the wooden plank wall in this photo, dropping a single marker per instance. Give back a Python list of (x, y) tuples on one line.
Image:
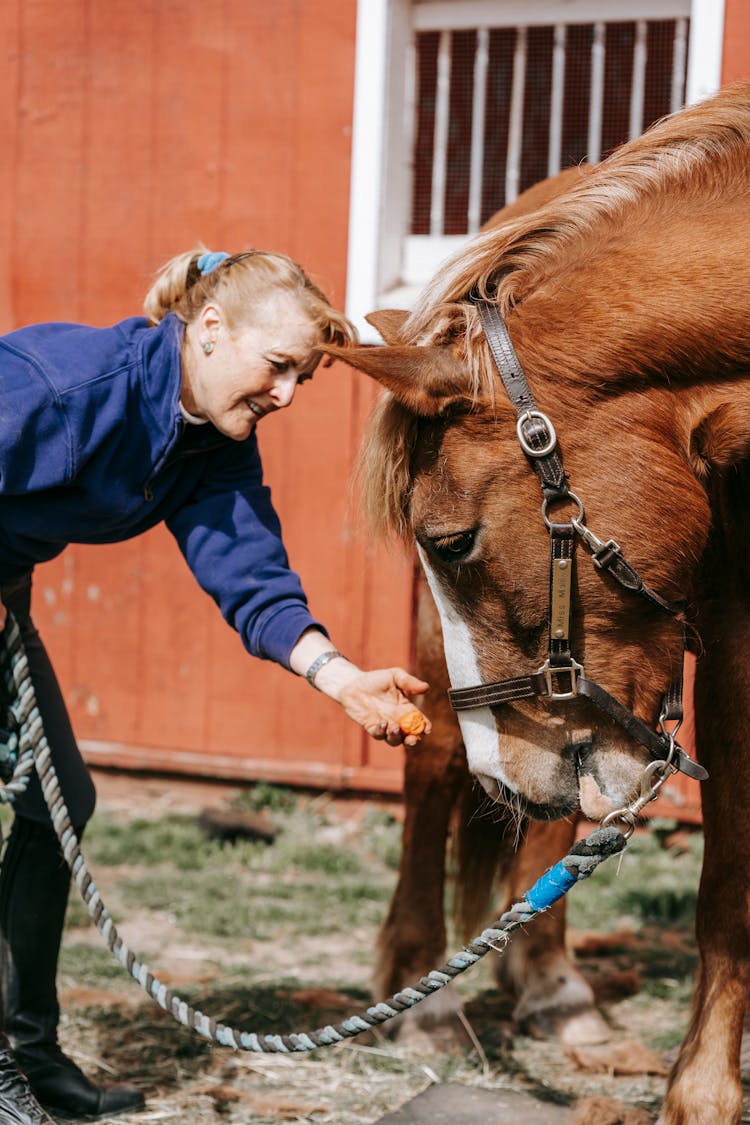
[(129, 132), (736, 53)]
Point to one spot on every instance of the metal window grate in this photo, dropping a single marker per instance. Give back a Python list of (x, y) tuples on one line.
[(497, 109)]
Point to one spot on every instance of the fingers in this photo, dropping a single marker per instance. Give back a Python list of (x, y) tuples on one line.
[(407, 683), (397, 734), (393, 735)]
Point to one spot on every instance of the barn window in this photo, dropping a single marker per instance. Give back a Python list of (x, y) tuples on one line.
[(479, 99), (498, 109)]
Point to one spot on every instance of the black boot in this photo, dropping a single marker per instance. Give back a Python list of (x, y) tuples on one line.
[(34, 884), (18, 1106)]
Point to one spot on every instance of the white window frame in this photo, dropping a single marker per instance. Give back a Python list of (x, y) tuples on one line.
[(380, 255)]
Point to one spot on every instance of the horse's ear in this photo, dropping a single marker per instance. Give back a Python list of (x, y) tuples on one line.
[(388, 323), (426, 380), (720, 437)]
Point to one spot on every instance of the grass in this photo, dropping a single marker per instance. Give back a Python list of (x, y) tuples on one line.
[(649, 884), (222, 903), (246, 890)]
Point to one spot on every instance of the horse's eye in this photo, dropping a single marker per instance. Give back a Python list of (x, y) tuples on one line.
[(452, 548)]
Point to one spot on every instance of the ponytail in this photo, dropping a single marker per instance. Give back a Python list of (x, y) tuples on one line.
[(241, 284)]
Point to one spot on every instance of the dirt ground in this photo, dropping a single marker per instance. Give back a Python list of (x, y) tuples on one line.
[(279, 937)]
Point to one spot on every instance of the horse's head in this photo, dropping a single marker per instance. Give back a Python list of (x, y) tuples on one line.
[(444, 462)]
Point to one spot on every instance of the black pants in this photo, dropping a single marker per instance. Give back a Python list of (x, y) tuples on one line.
[(75, 781)]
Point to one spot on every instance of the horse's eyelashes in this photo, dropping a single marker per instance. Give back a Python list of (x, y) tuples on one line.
[(452, 548)]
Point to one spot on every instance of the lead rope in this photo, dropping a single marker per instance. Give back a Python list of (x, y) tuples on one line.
[(26, 747)]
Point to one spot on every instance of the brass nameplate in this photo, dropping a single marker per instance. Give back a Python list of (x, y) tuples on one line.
[(562, 572)]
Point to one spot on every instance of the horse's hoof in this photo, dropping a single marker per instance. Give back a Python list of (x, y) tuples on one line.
[(433, 1025), (448, 1038), (606, 1111), (583, 1028), (618, 1056)]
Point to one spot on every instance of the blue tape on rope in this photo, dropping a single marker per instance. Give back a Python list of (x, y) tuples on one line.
[(550, 887)]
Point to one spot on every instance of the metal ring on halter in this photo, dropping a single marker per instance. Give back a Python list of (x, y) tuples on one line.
[(649, 790), (670, 734), (551, 442), (557, 500)]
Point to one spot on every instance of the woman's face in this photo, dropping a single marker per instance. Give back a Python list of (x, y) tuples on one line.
[(250, 370)]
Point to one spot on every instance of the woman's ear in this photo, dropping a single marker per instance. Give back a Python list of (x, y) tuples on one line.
[(426, 380), (209, 320), (720, 437)]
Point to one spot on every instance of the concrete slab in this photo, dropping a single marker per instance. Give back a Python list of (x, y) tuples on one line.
[(448, 1103)]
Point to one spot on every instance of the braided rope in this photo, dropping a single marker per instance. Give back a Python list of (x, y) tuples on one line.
[(582, 860), (17, 745)]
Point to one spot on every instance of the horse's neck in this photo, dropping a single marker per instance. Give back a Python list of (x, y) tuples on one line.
[(668, 293)]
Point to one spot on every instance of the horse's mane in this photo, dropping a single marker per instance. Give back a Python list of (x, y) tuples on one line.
[(690, 152)]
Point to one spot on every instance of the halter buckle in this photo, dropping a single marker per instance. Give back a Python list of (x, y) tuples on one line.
[(551, 672), (546, 428)]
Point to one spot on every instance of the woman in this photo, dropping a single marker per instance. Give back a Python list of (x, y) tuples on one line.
[(103, 434)]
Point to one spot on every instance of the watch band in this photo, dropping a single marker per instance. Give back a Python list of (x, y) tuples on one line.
[(320, 662)]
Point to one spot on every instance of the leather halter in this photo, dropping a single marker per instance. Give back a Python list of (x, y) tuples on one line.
[(561, 677)]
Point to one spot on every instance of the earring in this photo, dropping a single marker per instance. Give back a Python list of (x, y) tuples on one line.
[(207, 346)]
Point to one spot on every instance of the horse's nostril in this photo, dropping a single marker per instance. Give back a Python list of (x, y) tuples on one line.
[(594, 803), (581, 751)]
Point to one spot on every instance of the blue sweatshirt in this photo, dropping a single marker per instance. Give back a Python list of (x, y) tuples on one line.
[(94, 449)]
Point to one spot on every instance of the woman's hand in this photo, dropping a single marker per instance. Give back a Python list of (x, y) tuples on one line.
[(380, 702), (3, 616)]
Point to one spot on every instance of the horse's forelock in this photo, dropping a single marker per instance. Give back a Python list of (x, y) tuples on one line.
[(384, 467)]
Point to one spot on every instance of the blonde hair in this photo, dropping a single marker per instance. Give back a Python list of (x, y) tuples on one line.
[(241, 284)]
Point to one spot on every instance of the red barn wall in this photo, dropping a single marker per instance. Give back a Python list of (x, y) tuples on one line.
[(129, 132), (736, 55)]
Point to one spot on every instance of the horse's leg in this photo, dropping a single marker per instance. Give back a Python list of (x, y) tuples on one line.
[(412, 939), (704, 1087), (553, 998)]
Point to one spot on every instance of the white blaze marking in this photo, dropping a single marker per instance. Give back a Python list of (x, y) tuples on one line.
[(478, 726)]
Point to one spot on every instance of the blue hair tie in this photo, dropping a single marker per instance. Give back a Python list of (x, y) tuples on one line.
[(207, 263)]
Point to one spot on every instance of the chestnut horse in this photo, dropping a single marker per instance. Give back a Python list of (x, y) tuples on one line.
[(628, 302), (440, 802)]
